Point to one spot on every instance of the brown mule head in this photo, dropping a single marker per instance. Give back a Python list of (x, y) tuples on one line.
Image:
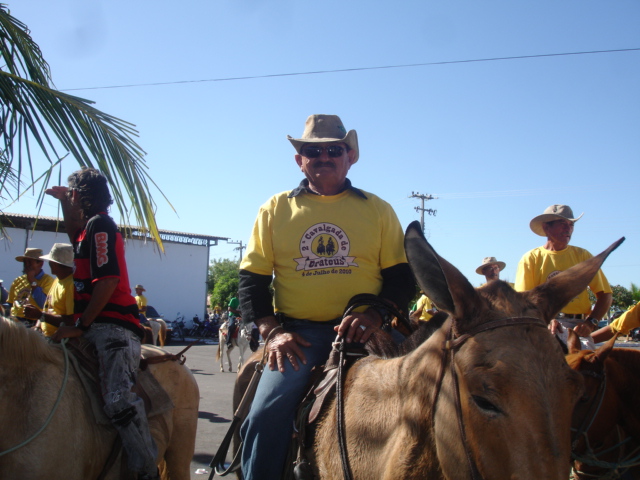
[(516, 391)]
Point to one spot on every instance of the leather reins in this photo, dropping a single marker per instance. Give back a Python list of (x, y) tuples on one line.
[(360, 300), (449, 346)]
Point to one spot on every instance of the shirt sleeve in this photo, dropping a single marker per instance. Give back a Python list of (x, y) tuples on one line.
[(259, 256), (524, 277), (103, 258), (627, 321)]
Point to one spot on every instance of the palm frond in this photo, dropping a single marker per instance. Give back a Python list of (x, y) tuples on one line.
[(32, 113)]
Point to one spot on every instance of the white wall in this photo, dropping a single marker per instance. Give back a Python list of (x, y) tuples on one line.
[(175, 281)]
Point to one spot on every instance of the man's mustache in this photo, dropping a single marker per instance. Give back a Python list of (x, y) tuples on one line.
[(324, 164)]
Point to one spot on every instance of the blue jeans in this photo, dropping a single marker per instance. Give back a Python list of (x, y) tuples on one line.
[(267, 430)]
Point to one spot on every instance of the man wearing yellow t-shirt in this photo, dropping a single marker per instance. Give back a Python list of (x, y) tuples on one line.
[(141, 300), (320, 243), (58, 307), (31, 288), (556, 255)]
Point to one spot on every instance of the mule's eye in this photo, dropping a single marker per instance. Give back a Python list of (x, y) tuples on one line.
[(485, 404), (584, 398)]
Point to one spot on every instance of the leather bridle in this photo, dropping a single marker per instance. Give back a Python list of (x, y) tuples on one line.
[(449, 347)]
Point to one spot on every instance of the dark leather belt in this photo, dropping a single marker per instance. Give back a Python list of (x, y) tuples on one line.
[(283, 319), (579, 316)]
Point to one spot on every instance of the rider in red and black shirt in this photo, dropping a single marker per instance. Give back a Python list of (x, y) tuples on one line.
[(105, 312), (99, 254)]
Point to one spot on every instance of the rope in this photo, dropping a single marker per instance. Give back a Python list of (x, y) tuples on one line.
[(55, 406)]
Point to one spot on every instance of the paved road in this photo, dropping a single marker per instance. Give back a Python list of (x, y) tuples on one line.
[(216, 390)]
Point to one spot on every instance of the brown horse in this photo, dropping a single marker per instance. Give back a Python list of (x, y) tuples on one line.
[(487, 395), (606, 420), (73, 446)]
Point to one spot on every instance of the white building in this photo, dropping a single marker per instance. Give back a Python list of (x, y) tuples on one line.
[(175, 281)]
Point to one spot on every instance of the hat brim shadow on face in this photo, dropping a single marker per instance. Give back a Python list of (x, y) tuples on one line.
[(537, 223), (351, 139), (501, 266)]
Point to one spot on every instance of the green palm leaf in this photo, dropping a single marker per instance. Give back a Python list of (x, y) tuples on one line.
[(34, 114)]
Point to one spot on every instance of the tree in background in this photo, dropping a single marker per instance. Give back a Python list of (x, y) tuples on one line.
[(622, 297), (223, 280), (635, 292), (34, 114)]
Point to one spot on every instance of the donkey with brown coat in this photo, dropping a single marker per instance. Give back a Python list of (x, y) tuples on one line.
[(487, 395)]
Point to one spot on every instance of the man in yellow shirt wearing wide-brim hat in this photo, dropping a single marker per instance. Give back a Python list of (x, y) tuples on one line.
[(556, 255), (31, 288)]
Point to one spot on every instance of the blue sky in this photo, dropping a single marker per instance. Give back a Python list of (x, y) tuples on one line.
[(496, 141)]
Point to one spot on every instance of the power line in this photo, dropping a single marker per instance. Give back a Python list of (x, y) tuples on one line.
[(356, 69)]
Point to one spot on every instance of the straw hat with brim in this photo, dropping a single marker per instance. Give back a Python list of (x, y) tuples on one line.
[(490, 261), (140, 287), (61, 253), (32, 253), (322, 128), (554, 212)]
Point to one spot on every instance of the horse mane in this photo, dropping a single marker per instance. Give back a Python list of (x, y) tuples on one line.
[(384, 346), (22, 347)]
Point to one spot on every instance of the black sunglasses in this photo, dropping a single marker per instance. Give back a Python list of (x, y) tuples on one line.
[(314, 151)]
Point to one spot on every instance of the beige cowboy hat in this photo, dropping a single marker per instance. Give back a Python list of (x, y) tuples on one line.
[(321, 128), (140, 287), (490, 261), (554, 212), (61, 253), (32, 253)]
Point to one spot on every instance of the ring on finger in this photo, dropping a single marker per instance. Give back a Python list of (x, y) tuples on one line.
[(363, 327)]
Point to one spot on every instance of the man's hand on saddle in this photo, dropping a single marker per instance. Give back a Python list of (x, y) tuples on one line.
[(66, 331), (359, 326), (285, 347)]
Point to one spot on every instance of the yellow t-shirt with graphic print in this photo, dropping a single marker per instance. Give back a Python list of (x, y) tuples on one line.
[(20, 292), (540, 264), (59, 302), (323, 250)]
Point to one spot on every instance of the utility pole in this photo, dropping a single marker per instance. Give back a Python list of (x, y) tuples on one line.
[(241, 247), (421, 209)]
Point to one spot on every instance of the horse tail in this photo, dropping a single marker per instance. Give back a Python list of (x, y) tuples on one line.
[(218, 351)]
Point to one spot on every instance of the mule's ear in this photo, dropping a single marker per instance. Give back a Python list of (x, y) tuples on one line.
[(574, 345), (555, 293), (604, 350), (439, 280)]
